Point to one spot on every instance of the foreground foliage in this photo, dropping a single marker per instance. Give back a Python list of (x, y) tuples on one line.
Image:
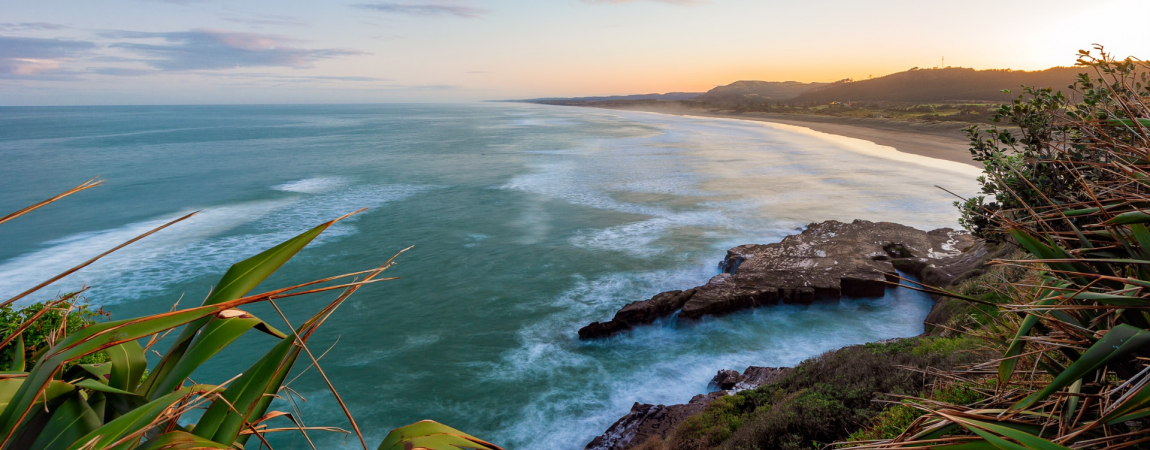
[(1073, 191), (71, 382)]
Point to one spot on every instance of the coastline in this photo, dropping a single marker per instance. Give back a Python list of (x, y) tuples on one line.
[(940, 140)]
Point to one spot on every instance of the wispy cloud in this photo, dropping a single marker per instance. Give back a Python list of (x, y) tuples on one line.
[(673, 2), (260, 20), (424, 9), (218, 49), (303, 78), (181, 2), (31, 57), (30, 26), (121, 71)]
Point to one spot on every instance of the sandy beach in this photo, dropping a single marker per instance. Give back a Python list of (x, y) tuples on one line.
[(942, 140)]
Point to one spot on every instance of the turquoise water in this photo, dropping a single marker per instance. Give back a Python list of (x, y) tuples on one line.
[(527, 221)]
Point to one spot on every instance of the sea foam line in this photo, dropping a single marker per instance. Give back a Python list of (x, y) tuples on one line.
[(196, 247)]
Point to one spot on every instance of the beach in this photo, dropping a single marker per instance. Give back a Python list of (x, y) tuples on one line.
[(942, 140)]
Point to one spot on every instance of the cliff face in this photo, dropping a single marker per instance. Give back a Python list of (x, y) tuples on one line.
[(828, 260)]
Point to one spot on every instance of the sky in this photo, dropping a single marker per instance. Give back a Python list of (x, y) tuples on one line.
[(79, 52)]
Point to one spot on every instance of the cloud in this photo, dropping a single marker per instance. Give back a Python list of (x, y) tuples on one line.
[(269, 20), (613, 2), (424, 9), (181, 2), (434, 87), (29, 57), (217, 49), (121, 71), (299, 78), (30, 26)]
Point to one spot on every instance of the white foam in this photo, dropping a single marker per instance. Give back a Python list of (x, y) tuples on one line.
[(662, 363), (312, 185), (193, 248)]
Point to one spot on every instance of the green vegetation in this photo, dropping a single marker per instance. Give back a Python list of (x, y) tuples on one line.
[(1070, 188), (821, 400), (53, 318), (73, 382)]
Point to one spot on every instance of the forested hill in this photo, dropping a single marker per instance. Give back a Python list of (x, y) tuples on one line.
[(752, 92), (670, 96), (940, 85)]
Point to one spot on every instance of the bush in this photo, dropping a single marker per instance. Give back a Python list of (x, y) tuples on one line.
[(823, 399), (47, 329)]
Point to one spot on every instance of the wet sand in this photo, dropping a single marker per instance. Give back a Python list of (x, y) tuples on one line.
[(942, 140)]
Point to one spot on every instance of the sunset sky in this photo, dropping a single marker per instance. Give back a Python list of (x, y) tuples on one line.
[(59, 52)]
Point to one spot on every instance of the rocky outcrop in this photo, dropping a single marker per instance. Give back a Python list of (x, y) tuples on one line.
[(645, 420), (827, 260), (638, 313), (724, 380)]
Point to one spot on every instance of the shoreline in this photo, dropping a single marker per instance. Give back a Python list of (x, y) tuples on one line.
[(940, 140)]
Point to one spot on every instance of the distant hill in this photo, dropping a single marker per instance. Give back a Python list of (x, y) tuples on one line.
[(754, 92), (915, 86), (670, 96), (940, 85)]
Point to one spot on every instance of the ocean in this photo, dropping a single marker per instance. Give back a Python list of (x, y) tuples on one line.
[(527, 222)]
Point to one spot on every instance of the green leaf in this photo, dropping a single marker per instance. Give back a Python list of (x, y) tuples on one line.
[(1042, 250), (70, 421), (1129, 217), (224, 420), (1119, 341), (137, 418), (971, 445), (94, 385), (433, 436), (179, 440), (8, 387), (128, 365), (1006, 367), (100, 371), (219, 332), (88, 340), (245, 275), (250, 394), (1141, 235), (240, 279), (1129, 122), (1110, 299), (1027, 440), (18, 357)]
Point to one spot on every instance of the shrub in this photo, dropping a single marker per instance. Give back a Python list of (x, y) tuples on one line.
[(1073, 190), (63, 319), (822, 400)]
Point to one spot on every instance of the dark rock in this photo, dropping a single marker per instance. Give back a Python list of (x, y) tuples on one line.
[(725, 380), (638, 313), (646, 420), (832, 259), (754, 377), (827, 260)]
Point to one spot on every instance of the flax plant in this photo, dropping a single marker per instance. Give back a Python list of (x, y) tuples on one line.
[(51, 399)]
